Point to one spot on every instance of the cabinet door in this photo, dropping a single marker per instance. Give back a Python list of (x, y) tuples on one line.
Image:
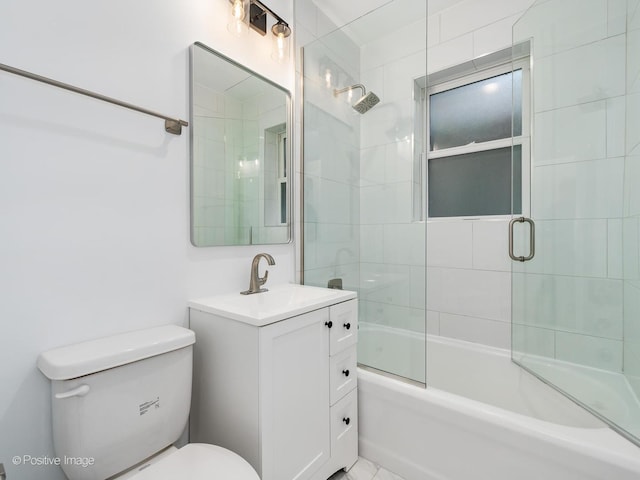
[(294, 384)]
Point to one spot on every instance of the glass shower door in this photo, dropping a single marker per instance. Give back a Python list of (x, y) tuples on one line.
[(576, 303), (359, 232)]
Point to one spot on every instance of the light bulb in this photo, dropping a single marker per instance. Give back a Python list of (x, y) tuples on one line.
[(237, 26), (328, 78), (281, 45), (237, 9)]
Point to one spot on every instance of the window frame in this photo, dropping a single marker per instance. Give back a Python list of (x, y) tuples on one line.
[(524, 139)]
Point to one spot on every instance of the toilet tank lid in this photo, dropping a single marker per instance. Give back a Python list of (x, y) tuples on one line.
[(93, 356)]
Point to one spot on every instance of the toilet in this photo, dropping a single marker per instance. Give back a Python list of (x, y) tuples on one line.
[(120, 402)]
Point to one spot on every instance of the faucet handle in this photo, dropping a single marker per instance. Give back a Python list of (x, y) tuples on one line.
[(263, 280)]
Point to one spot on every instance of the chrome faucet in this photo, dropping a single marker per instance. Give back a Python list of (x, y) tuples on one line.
[(255, 281)]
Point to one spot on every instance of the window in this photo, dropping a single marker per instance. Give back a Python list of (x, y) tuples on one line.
[(475, 167), (282, 175)]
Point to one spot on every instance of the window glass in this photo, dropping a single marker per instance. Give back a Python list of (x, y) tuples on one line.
[(477, 112), (477, 183)]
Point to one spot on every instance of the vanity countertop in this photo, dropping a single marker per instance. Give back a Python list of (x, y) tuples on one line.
[(280, 302)]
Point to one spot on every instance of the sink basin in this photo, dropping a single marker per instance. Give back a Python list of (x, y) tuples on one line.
[(280, 302)]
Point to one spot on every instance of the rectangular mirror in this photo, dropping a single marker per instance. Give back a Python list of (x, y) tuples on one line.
[(240, 154)]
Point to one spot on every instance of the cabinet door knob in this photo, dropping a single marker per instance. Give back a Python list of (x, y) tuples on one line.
[(346, 420), (329, 324), (345, 373), (347, 326)]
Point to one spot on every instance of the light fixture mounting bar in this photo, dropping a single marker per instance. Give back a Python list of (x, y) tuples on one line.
[(258, 16)]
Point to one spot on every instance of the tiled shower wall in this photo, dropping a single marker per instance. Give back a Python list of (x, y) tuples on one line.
[(392, 246), (331, 168), (570, 296), (631, 222), (467, 268)]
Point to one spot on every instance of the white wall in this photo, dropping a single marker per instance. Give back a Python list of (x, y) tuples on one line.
[(573, 307), (631, 222), (94, 199), (468, 268)]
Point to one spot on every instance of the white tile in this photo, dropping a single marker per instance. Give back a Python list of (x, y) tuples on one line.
[(633, 124), (306, 15), (404, 244), (590, 306), (584, 74), (477, 330), (403, 42), (616, 122), (476, 293), (379, 125), (491, 245), (372, 165), (433, 322), (398, 165), (591, 351), (418, 287), (592, 189), (632, 179), (633, 62), (400, 74), (385, 283), (571, 134), (434, 288), (472, 15), (616, 17), (533, 340), (372, 205), (494, 37), (631, 250), (371, 243), (560, 26), (433, 30), (632, 330), (615, 249), (449, 53), (449, 244), (569, 247)]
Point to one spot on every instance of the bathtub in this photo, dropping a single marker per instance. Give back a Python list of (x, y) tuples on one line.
[(482, 417)]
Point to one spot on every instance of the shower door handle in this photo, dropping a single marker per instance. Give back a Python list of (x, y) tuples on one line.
[(532, 238)]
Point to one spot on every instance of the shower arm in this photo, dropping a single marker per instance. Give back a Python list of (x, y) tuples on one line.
[(358, 85)]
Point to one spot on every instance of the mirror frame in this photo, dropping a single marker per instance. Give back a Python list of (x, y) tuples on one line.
[(289, 147)]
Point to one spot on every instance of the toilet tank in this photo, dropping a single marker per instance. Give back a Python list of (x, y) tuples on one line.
[(118, 400)]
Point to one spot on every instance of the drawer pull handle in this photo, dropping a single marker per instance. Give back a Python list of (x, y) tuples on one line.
[(329, 324), (346, 420), (347, 326), (345, 373)]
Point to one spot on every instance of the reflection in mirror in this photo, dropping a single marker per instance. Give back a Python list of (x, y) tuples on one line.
[(240, 154)]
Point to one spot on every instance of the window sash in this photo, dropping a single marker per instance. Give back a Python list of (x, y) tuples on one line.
[(524, 139)]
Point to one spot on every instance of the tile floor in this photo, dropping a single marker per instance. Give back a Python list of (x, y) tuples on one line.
[(365, 470)]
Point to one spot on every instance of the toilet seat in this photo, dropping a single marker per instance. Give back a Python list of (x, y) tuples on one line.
[(199, 461)]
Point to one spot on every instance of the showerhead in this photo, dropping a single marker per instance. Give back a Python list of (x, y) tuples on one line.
[(365, 103)]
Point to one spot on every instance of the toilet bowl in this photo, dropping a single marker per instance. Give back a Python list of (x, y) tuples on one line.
[(121, 402), (195, 461)]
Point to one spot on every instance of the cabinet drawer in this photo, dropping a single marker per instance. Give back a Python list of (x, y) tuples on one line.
[(344, 331), (343, 373), (344, 430)]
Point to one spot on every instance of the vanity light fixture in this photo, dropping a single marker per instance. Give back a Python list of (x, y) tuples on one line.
[(280, 30), (237, 24)]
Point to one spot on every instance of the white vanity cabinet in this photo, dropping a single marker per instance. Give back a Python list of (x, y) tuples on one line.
[(278, 388)]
